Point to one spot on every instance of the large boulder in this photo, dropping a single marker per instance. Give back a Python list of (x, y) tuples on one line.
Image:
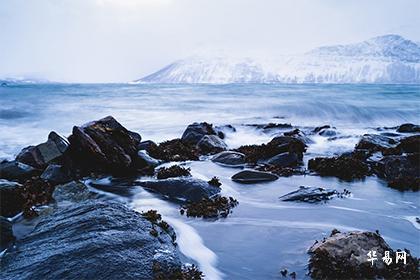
[(104, 145), (92, 240), (211, 144), (253, 176), (408, 128), (56, 174), (15, 170), (183, 188), (229, 158), (345, 256), (346, 167), (284, 160), (6, 232), (401, 172), (11, 199), (41, 155), (194, 132)]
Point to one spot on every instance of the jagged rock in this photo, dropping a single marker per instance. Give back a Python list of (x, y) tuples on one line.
[(56, 174), (284, 160), (311, 194), (375, 143), (73, 191), (401, 172), (174, 150), (346, 167), (211, 144), (185, 188), (104, 145), (408, 128), (14, 170), (229, 158), (91, 240), (252, 176), (410, 144), (194, 132), (41, 155), (345, 256), (6, 232)]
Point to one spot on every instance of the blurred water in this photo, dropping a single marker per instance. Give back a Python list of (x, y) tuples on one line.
[(263, 235)]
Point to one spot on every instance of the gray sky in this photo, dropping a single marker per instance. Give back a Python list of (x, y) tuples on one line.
[(122, 40)]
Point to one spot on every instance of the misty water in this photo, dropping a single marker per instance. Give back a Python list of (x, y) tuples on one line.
[(263, 234)]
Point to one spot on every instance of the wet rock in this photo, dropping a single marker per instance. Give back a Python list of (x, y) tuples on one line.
[(346, 167), (292, 132), (410, 144), (328, 132), (194, 132), (252, 176), (172, 172), (345, 256), (219, 206), (35, 192), (14, 170), (271, 126), (145, 145), (284, 160), (229, 158), (174, 150), (401, 172), (11, 199), (375, 143), (320, 128), (6, 232), (121, 186), (73, 191), (91, 240), (104, 145), (144, 159), (221, 130), (56, 174), (311, 194), (408, 128), (211, 144), (156, 219), (41, 155), (186, 189)]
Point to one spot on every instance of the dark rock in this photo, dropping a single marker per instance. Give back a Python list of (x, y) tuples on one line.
[(174, 150), (328, 132), (281, 171), (215, 181), (375, 143), (14, 170), (410, 144), (74, 191), (345, 256), (56, 174), (292, 132), (172, 172), (229, 158), (145, 145), (320, 128), (346, 167), (41, 155), (408, 128), (144, 159), (11, 199), (194, 132), (219, 206), (35, 192), (311, 194), (284, 160), (211, 144), (401, 172), (135, 136), (252, 176), (6, 232), (91, 240), (121, 186), (104, 145), (186, 188), (271, 126)]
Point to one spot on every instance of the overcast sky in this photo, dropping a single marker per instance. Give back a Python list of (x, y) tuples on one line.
[(122, 40)]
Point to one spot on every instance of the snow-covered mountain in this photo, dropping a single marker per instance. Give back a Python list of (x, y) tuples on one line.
[(384, 59)]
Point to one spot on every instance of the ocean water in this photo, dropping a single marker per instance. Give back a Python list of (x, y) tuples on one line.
[(263, 235)]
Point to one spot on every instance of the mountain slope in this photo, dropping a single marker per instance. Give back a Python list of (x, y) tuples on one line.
[(384, 59)]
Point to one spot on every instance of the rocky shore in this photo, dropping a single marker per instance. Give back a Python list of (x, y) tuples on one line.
[(46, 182)]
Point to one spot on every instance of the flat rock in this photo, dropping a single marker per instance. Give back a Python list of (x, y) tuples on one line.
[(185, 188), (91, 240), (252, 176), (11, 199), (309, 194), (73, 191), (229, 158)]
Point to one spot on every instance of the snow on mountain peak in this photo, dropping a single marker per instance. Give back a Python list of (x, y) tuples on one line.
[(383, 59)]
